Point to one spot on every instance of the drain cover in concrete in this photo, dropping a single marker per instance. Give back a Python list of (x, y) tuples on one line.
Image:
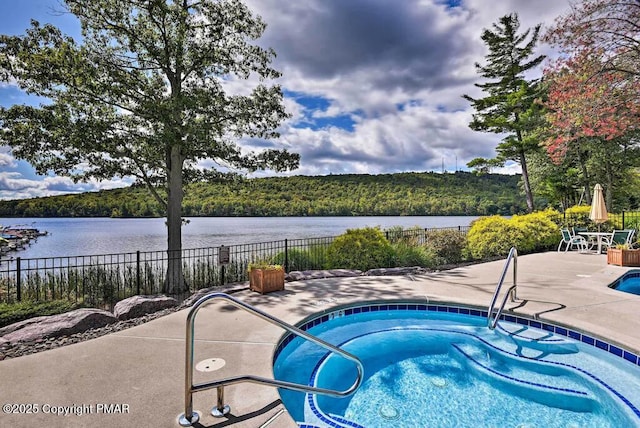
[(210, 364)]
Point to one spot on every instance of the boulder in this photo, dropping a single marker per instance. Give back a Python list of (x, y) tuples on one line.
[(230, 289), (318, 274), (138, 306), (396, 271), (66, 324)]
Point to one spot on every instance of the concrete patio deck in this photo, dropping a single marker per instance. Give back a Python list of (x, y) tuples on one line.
[(142, 368)]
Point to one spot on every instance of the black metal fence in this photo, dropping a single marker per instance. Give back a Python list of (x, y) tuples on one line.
[(102, 280), (623, 220)]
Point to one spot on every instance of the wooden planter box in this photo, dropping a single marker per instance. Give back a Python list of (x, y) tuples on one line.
[(266, 280), (623, 257)]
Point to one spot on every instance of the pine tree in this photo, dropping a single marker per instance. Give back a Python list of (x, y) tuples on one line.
[(509, 107)]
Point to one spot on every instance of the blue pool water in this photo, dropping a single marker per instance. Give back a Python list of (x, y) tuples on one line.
[(629, 282), (437, 366)]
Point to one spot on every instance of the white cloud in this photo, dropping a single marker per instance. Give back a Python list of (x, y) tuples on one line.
[(13, 186), (367, 57), (6, 160), (509, 168)]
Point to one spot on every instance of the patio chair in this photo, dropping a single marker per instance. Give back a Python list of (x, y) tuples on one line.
[(618, 237), (591, 242), (572, 241)]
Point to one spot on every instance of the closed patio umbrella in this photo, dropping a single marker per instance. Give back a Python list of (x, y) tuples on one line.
[(598, 212)]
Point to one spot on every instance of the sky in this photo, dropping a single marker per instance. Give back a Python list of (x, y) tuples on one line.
[(372, 86)]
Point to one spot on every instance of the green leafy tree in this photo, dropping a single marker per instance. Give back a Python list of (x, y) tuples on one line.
[(143, 95), (509, 107), (558, 183)]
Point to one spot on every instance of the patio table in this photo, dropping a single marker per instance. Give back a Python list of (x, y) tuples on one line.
[(598, 236)]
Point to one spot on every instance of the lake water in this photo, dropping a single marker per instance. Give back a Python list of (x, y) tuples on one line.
[(86, 236)]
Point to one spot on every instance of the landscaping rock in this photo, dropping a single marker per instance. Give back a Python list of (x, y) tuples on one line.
[(231, 288), (396, 271), (317, 274), (41, 328), (137, 306)]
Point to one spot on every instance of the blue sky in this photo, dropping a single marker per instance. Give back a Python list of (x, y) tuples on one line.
[(373, 86)]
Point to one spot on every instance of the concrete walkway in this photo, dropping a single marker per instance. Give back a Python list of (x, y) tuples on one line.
[(139, 372)]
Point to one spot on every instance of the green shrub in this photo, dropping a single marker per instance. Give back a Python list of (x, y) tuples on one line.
[(448, 245), (540, 232), (405, 254), (299, 259), (361, 249), (578, 210), (15, 312), (494, 236), (412, 236), (576, 216)]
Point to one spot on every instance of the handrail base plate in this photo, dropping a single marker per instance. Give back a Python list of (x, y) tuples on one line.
[(184, 422), (217, 413)]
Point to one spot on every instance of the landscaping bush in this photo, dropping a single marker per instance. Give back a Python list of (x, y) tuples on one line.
[(540, 232), (15, 312), (361, 249), (412, 236), (494, 236), (406, 255), (576, 216), (448, 245), (299, 259)]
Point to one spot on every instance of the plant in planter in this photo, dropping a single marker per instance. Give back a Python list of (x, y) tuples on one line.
[(623, 255), (265, 277)]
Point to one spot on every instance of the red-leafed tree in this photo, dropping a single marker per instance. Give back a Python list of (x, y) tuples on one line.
[(594, 89), (584, 104), (587, 107), (610, 27)]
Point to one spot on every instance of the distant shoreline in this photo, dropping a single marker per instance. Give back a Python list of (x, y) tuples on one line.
[(402, 194)]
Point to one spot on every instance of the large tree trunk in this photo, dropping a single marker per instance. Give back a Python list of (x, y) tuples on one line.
[(174, 281), (525, 180)]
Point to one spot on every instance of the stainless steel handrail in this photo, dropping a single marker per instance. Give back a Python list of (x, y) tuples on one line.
[(492, 320), (189, 417)]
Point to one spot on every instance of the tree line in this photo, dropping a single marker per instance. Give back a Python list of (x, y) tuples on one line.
[(460, 193)]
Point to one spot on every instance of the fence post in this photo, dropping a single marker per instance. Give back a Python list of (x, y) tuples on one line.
[(138, 272), (18, 280), (286, 255), (623, 220)]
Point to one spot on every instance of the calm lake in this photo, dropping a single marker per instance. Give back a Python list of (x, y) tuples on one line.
[(86, 236)]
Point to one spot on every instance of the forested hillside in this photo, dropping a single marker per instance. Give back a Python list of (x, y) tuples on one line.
[(461, 193)]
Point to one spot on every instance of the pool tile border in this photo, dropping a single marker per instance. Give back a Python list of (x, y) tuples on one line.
[(587, 339)]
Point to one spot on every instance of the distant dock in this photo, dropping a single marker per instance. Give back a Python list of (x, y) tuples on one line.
[(16, 238)]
